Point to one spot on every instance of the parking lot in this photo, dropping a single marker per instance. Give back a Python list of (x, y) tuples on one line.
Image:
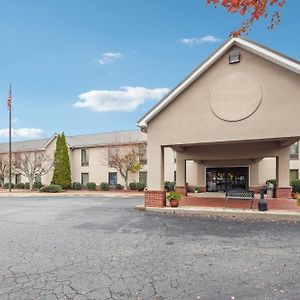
[(102, 248)]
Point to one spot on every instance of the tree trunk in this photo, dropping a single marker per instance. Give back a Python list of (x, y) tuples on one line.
[(30, 184)]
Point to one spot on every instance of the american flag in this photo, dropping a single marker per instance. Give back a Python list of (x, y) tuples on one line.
[(9, 99)]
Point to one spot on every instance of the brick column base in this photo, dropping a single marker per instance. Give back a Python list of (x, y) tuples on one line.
[(181, 190), (155, 199), (202, 189), (255, 189), (283, 192)]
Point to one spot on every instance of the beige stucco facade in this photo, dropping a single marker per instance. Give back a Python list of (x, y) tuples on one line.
[(224, 116), (230, 115), (98, 171)]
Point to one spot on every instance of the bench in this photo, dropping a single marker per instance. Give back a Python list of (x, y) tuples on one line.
[(239, 195)]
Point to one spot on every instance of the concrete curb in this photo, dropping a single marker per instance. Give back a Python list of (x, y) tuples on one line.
[(67, 194), (222, 212)]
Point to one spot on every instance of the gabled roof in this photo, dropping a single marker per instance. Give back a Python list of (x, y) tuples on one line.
[(33, 145), (80, 141), (106, 138), (262, 51)]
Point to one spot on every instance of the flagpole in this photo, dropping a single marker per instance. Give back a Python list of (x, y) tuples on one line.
[(9, 137)]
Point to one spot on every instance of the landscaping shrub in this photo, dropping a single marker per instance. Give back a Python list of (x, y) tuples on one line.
[(132, 186), (273, 181), (27, 186), (91, 186), (119, 187), (140, 186), (37, 185), (170, 186), (62, 168), (20, 186), (5, 186), (76, 186), (52, 188), (295, 186), (104, 186)]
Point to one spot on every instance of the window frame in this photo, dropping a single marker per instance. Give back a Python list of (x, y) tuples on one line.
[(294, 155), (84, 162), (82, 174)]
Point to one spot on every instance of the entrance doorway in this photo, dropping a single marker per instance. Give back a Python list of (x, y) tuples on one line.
[(224, 179)]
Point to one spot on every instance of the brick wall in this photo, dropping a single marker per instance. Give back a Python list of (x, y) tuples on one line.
[(155, 198), (283, 192), (181, 189)]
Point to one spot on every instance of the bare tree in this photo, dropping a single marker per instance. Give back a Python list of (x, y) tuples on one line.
[(31, 164), (124, 159), (3, 166)]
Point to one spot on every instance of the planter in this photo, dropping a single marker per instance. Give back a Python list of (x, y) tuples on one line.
[(174, 203), (262, 206), (270, 193), (294, 195)]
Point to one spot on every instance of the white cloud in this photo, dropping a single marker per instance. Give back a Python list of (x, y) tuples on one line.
[(202, 40), (22, 132), (126, 99), (109, 57)]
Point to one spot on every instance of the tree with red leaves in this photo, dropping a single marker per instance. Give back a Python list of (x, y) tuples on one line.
[(254, 8)]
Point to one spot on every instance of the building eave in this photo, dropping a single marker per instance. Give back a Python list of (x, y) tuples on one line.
[(259, 50)]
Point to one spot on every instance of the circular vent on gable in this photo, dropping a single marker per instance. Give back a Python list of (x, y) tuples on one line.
[(235, 97)]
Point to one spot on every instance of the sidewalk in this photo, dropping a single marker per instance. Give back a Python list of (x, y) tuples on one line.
[(225, 212), (70, 193)]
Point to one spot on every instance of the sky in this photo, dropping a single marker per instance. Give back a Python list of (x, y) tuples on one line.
[(88, 66)]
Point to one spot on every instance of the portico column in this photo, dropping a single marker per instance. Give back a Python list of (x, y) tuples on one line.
[(180, 173), (254, 177), (283, 189), (201, 177), (155, 196)]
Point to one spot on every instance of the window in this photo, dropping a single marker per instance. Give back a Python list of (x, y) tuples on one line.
[(84, 157), (38, 178), (294, 174), (143, 177), (294, 151), (112, 179), (18, 159), (113, 153), (84, 178), (143, 153), (18, 178), (174, 175)]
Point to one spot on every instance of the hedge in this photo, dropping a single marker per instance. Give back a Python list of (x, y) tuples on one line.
[(119, 187), (6, 185), (295, 186), (132, 186), (76, 186), (104, 186), (91, 186), (20, 186), (37, 185), (170, 186), (140, 186), (52, 188)]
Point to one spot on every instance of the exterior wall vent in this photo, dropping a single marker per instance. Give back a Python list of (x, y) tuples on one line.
[(234, 57)]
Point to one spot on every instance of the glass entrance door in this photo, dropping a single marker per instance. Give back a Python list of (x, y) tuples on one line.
[(224, 179)]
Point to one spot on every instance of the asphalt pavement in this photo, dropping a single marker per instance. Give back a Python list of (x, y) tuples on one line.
[(102, 248)]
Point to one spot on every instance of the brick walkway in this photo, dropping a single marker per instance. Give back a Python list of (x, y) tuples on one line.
[(273, 203)]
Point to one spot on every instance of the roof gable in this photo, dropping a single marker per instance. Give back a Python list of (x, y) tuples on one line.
[(259, 50)]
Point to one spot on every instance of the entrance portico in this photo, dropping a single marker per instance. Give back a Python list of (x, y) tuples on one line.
[(227, 117)]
